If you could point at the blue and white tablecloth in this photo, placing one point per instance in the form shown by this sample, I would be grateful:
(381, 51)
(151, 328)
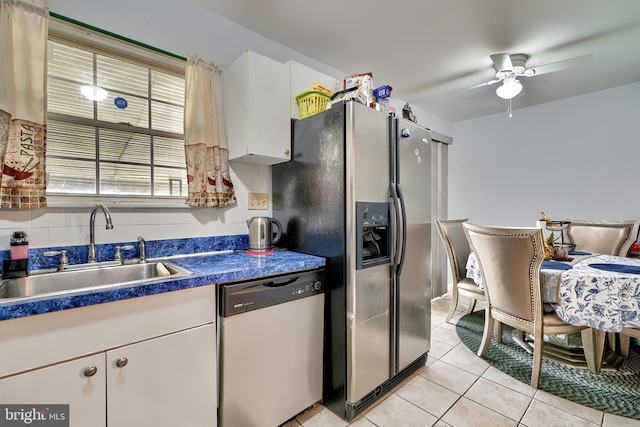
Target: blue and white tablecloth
(605, 300)
(588, 296)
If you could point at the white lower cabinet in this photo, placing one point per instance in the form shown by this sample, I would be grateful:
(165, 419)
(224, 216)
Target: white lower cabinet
(143, 362)
(168, 381)
(79, 383)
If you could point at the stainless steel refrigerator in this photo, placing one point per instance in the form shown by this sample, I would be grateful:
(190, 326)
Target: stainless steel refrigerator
(358, 192)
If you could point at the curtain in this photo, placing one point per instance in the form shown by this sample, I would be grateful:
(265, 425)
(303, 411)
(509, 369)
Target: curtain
(23, 81)
(205, 138)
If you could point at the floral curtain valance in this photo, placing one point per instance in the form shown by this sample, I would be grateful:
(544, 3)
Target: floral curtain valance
(205, 137)
(23, 80)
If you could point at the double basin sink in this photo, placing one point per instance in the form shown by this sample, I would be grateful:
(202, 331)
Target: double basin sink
(89, 277)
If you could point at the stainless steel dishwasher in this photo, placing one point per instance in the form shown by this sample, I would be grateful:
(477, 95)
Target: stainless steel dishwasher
(271, 335)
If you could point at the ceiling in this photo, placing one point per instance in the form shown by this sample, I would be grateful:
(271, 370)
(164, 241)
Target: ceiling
(428, 50)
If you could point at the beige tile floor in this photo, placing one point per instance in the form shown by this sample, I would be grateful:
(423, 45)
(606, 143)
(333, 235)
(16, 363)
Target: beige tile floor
(456, 388)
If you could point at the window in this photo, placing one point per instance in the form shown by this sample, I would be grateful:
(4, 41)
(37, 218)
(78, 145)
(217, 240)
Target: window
(127, 144)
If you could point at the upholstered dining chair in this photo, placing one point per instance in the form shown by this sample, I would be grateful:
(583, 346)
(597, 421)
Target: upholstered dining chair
(458, 250)
(510, 259)
(603, 237)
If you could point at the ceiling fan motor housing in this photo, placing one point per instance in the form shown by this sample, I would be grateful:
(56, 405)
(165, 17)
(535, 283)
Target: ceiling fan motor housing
(519, 61)
(514, 65)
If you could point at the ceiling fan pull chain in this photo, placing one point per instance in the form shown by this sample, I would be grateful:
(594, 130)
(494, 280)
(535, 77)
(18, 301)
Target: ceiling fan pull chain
(509, 108)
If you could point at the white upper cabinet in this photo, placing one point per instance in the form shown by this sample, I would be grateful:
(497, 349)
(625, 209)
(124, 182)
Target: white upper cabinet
(257, 109)
(259, 103)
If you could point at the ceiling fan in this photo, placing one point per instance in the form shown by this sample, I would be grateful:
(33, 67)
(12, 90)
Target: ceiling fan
(510, 67)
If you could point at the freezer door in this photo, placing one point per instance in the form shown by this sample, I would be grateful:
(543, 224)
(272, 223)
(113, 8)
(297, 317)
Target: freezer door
(368, 289)
(368, 352)
(413, 286)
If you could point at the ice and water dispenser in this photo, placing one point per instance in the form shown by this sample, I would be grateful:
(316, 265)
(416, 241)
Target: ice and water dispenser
(373, 234)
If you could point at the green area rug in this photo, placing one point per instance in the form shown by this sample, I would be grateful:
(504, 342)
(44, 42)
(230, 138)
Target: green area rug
(616, 392)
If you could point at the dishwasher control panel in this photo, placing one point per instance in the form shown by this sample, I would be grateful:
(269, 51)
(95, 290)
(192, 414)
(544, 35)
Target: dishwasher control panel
(236, 298)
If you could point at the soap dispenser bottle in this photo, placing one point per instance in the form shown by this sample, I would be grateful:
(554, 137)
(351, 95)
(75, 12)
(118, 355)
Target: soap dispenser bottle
(18, 264)
(19, 245)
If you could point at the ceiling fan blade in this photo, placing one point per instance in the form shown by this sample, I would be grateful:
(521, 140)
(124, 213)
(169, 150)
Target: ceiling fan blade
(490, 82)
(502, 61)
(578, 61)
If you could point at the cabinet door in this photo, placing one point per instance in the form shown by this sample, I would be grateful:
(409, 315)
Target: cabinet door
(167, 381)
(79, 383)
(257, 109)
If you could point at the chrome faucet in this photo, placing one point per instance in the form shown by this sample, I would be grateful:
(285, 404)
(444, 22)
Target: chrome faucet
(92, 227)
(143, 250)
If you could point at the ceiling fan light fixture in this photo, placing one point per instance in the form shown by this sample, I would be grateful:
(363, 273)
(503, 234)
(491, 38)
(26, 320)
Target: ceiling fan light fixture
(509, 89)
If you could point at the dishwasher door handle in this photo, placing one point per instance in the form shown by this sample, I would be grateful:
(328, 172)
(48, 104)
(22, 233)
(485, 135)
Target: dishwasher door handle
(274, 284)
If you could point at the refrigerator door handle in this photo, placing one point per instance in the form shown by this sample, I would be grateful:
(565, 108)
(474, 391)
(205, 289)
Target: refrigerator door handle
(396, 211)
(403, 225)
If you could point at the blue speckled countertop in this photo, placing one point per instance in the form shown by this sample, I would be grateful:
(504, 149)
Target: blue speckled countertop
(208, 269)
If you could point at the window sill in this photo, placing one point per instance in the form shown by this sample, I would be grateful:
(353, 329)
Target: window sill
(113, 201)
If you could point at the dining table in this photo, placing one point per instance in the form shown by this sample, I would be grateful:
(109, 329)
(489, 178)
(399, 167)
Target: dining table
(587, 289)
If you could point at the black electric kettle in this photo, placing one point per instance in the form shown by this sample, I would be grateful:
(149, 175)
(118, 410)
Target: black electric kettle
(261, 234)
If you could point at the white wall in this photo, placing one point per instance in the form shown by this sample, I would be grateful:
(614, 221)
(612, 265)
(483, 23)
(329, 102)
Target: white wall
(575, 158)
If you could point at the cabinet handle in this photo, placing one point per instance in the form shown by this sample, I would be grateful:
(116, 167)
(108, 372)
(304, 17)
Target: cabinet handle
(286, 152)
(90, 371)
(122, 362)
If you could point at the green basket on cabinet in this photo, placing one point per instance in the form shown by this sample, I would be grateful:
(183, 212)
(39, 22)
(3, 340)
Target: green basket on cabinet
(312, 102)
